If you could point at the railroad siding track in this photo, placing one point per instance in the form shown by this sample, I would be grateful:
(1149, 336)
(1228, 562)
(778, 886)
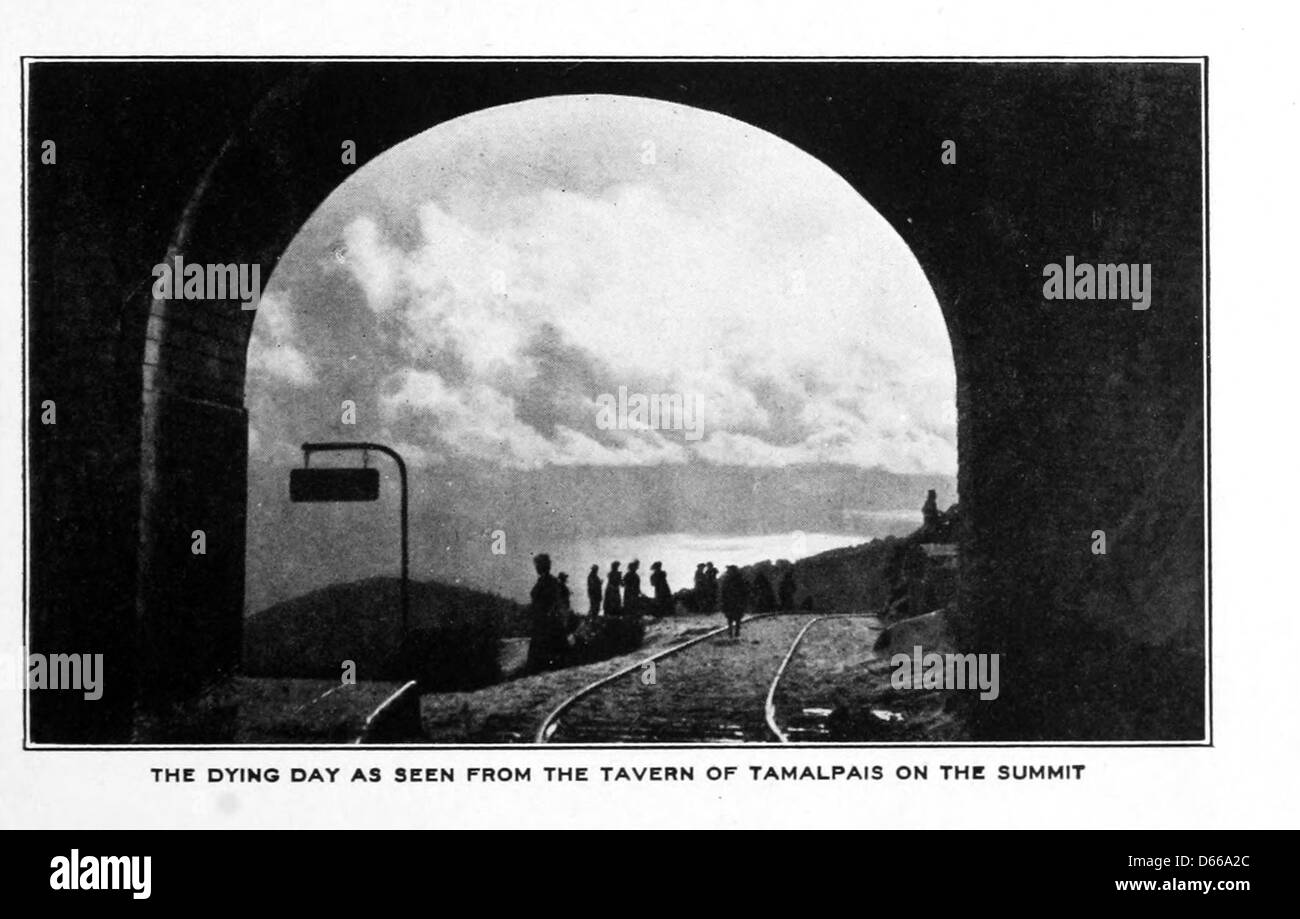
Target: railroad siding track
(827, 651)
(709, 690)
(778, 682)
(834, 670)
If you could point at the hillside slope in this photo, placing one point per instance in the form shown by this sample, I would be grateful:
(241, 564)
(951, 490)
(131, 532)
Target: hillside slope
(459, 630)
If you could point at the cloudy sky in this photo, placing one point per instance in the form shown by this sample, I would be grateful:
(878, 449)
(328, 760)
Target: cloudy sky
(475, 289)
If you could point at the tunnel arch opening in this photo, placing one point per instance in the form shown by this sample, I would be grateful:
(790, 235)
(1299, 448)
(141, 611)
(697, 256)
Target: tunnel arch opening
(609, 241)
(195, 374)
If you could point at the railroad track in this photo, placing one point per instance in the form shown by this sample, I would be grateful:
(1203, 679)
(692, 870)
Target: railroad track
(811, 723)
(709, 689)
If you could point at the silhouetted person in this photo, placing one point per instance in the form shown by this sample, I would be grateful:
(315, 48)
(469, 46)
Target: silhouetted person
(930, 511)
(786, 590)
(701, 594)
(663, 596)
(566, 605)
(566, 595)
(732, 594)
(593, 590)
(632, 588)
(710, 588)
(764, 598)
(546, 645)
(613, 581)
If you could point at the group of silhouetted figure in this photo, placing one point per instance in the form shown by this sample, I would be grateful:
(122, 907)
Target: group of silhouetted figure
(622, 594)
(619, 594)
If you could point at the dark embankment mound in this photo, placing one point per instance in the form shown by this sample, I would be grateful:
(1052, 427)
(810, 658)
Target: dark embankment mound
(892, 577)
(455, 634)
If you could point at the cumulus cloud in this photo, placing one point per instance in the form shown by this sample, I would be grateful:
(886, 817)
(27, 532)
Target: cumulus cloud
(510, 283)
(272, 350)
(375, 265)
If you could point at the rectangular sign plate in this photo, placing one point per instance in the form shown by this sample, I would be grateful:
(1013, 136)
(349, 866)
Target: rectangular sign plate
(333, 484)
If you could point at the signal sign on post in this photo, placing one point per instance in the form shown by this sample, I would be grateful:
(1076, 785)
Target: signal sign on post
(333, 484)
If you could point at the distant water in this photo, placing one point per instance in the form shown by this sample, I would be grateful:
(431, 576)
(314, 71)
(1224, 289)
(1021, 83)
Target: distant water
(681, 552)
(295, 570)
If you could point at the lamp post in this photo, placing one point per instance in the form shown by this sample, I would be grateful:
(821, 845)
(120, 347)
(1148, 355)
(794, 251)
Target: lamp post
(309, 484)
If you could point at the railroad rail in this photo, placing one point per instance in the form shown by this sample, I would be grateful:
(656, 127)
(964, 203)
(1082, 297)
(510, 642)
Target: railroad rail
(551, 723)
(769, 706)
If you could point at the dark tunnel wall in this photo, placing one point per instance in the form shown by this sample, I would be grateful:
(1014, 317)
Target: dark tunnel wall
(1072, 416)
